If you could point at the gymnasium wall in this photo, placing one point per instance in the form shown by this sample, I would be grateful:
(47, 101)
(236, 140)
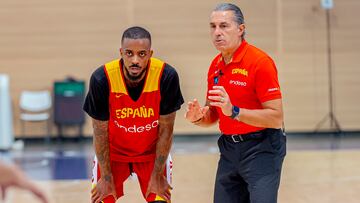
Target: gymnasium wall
(46, 40)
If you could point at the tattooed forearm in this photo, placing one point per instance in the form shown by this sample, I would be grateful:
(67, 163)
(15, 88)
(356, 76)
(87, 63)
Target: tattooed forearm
(159, 164)
(163, 146)
(101, 145)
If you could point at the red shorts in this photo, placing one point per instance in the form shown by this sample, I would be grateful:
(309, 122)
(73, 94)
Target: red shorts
(122, 170)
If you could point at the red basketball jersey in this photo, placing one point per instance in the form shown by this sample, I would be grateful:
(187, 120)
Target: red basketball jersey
(133, 125)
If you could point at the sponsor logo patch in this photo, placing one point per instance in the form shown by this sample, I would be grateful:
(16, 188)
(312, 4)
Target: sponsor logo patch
(136, 128)
(238, 83)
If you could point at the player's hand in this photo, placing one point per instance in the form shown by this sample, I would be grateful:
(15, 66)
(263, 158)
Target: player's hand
(12, 176)
(30, 186)
(159, 186)
(103, 188)
(194, 111)
(220, 98)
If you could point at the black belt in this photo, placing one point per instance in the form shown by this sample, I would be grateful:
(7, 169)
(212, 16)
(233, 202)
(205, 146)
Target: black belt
(245, 137)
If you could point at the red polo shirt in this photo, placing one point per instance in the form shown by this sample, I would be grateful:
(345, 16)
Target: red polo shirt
(250, 79)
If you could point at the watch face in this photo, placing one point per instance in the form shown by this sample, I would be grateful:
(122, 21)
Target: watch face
(235, 111)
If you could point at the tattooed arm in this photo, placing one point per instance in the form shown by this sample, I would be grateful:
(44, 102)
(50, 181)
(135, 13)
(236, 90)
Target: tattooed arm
(105, 186)
(158, 183)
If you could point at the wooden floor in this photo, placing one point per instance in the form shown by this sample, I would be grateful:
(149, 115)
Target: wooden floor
(318, 176)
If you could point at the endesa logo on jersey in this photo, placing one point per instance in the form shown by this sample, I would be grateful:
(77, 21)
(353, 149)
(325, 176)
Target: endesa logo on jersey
(140, 112)
(237, 83)
(138, 129)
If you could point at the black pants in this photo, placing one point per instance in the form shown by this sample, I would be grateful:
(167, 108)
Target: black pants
(249, 171)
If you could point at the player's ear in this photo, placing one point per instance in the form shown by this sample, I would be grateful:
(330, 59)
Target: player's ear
(121, 52)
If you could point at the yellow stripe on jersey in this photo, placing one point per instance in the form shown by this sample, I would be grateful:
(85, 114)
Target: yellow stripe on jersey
(158, 198)
(116, 82)
(118, 85)
(152, 81)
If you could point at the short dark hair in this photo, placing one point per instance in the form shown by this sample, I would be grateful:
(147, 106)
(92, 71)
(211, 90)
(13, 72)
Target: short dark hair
(136, 32)
(239, 17)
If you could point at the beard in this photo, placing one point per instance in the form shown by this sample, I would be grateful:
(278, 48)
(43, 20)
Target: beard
(134, 78)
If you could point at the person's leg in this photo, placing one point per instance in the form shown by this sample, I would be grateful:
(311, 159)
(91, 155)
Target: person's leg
(265, 168)
(119, 178)
(144, 170)
(265, 188)
(229, 185)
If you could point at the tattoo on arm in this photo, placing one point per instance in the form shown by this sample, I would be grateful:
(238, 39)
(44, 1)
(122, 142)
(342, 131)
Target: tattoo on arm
(163, 146)
(101, 145)
(159, 164)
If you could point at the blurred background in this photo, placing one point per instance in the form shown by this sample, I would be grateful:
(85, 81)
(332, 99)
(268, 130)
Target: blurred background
(49, 49)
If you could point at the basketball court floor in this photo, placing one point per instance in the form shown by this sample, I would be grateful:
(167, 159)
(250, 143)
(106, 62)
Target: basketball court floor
(317, 169)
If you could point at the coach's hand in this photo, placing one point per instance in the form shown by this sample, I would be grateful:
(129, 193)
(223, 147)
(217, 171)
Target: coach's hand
(104, 187)
(159, 186)
(220, 98)
(194, 111)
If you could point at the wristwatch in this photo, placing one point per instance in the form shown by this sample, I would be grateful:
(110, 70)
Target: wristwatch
(235, 112)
